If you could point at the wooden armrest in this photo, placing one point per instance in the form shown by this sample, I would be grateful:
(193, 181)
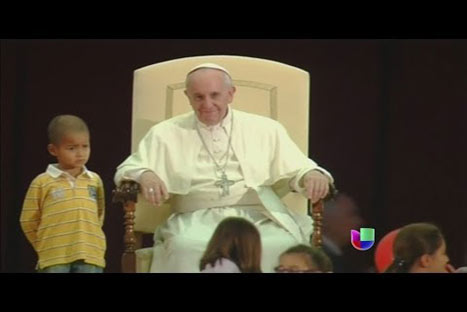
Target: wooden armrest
(127, 191)
(317, 215)
(127, 194)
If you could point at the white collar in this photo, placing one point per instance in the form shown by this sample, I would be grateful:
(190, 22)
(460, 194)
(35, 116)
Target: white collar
(55, 172)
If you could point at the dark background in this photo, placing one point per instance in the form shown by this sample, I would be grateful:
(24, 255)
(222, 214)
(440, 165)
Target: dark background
(388, 120)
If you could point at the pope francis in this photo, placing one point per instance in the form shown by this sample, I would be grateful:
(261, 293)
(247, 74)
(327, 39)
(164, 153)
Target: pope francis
(216, 162)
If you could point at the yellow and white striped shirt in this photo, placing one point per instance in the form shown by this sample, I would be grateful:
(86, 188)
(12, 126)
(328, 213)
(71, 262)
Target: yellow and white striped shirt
(62, 217)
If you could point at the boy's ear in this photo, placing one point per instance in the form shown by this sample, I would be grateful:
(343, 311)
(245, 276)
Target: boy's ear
(425, 260)
(52, 149)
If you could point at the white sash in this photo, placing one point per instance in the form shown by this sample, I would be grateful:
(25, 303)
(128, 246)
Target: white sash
(279, 213)
(262, 198)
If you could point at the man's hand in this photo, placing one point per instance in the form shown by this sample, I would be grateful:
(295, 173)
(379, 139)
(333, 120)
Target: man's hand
(153, 188)
(316, 185)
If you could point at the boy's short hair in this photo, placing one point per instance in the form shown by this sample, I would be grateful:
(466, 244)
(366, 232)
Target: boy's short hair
(62, 124)
(316, 256)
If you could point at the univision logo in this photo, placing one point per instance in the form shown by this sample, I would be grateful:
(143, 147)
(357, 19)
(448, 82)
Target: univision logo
(364, 239)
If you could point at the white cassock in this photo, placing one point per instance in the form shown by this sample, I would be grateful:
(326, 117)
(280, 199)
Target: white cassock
(263, 163)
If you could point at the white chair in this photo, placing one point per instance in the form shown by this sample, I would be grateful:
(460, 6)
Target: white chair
(264, 87)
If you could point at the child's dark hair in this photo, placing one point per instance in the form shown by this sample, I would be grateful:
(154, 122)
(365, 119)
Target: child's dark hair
(62, 124)
(412, 242)
(238, 240)
(315, 256)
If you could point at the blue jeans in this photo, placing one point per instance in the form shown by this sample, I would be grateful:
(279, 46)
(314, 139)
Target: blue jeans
(75, 267)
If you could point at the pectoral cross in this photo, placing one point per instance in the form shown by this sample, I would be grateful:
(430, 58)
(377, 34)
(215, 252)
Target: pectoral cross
(224, 183)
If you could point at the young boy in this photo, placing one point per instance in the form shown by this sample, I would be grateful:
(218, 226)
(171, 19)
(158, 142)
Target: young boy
(63, 211)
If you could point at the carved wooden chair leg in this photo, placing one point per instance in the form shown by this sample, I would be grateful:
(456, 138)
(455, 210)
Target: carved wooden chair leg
(317, 215)
(129, 256)
(127, 194)
(317, 211)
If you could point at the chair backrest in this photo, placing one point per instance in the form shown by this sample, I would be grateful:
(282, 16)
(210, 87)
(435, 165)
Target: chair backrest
(264, 87)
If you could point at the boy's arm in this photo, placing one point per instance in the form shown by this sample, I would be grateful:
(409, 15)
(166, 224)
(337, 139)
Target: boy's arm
(31, 214)
(101, 201)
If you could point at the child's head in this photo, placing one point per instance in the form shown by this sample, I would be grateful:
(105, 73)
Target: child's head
(304, 259)
(238, 240)
(419, 247)
(69, 141)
